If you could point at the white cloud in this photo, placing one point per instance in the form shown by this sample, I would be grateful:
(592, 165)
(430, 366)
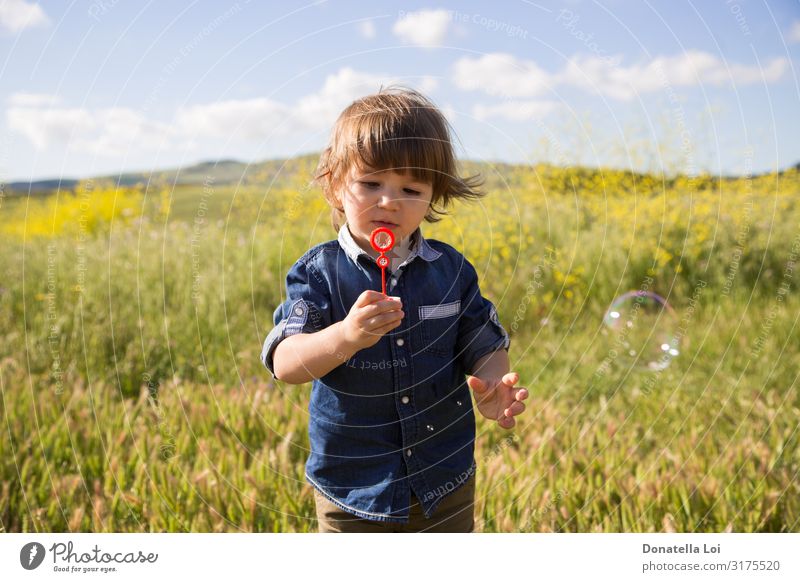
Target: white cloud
(321, 109)
(504, 75)
(770, 73)
(794, 32)
(516, 110)
(122, 130)
(685, 70)
(17, 15)
(111, 131)
(247, 118)
(427, 84)
(367, 29)
(46, 126)
(424, 27)
(501, 74)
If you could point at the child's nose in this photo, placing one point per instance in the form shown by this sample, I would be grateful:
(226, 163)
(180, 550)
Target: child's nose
(389, 198)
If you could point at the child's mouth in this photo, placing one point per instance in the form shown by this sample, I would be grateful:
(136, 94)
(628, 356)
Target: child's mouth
(384, 224)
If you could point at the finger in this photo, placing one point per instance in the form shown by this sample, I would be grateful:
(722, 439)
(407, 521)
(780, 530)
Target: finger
(507, 422)
(386, 328)
(477, 385)
(368, 297)
(515, 409)
(383, 320)
(511, 378)
(383, 306)
(521, 394)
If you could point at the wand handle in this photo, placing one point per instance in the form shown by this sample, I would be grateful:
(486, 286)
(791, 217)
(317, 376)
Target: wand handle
(382, 240)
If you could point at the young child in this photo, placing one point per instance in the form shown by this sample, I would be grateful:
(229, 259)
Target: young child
(391, 423)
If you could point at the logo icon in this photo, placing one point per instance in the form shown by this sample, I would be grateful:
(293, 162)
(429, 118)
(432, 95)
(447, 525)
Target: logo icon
(31, 555)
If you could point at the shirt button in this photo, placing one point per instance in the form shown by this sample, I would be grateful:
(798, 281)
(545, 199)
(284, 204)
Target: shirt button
(400, 341)
(408, 452)
(298, 310)
(404, 400)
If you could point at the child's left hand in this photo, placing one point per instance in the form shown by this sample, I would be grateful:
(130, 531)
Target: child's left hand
(498, 399)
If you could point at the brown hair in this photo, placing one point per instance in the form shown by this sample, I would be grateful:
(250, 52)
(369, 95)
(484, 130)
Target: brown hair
(400, 129)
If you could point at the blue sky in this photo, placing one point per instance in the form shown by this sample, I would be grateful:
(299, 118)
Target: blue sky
(104, 87)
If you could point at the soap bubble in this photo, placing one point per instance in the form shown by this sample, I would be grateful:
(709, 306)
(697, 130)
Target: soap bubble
(645, 328)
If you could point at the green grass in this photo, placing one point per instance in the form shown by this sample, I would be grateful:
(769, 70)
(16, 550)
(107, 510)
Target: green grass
(133, 398)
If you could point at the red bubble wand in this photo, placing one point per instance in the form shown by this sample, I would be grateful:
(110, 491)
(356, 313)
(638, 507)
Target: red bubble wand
(382, 240)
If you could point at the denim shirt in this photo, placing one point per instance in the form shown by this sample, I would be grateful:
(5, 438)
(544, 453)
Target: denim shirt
(397, 417)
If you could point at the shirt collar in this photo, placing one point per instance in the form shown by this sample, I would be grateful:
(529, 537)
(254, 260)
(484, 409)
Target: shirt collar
(419, 246)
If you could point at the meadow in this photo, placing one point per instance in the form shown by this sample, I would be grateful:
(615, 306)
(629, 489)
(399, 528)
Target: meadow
(132, 318)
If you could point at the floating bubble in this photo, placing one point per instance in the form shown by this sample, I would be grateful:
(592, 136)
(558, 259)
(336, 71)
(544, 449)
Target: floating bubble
(647, 324)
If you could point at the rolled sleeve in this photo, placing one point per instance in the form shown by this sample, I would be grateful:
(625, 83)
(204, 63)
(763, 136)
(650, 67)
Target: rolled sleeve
(479, 331)
(305, 310)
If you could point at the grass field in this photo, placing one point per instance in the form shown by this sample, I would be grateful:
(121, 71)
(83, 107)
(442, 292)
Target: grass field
(132, 319)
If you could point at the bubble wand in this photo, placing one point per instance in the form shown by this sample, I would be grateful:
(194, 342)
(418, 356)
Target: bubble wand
(382, 240)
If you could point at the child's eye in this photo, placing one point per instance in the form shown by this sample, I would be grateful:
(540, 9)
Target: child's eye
(411, 191)
(371, 185)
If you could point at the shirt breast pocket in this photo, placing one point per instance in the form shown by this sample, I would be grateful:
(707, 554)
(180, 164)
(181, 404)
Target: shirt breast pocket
(439, 325)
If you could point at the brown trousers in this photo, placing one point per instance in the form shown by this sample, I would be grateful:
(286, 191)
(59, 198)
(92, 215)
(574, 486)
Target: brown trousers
(454, 514)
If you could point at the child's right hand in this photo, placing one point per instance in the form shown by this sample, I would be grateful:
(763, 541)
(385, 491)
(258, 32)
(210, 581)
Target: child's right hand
(373, 315)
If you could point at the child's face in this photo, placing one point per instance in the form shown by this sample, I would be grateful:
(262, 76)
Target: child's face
(374, 198)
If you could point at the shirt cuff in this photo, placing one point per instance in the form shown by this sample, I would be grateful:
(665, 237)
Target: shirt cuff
(488, 338)
(296, 322)
(277, 334)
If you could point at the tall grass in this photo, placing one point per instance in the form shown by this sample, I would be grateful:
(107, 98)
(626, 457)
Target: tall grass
(133, 398)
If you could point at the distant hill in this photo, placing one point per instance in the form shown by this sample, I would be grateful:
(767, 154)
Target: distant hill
(219, 172)
(233, 172)
(39, 186)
